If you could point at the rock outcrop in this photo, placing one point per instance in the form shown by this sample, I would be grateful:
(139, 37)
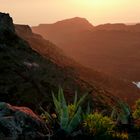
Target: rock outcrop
(6, 23)
(24, 29)
(20, 123)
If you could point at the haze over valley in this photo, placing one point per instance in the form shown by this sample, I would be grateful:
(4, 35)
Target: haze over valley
(109, 48)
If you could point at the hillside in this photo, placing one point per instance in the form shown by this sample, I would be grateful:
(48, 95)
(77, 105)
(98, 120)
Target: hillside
(98, 83)
(26, 77)
(110, 48)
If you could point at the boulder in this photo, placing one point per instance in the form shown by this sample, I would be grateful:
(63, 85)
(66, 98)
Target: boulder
(20, 123)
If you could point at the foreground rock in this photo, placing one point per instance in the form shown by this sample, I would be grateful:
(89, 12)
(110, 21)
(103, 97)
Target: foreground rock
(20, 123)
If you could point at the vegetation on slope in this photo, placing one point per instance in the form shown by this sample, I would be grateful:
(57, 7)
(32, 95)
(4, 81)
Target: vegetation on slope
(71, 120)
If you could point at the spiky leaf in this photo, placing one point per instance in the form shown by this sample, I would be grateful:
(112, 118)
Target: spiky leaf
(81, 100)
(61, 97)
(88, 109)
(64, 118)
(75, 99)
(57, 104)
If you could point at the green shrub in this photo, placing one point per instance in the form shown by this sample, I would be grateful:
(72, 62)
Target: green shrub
(136, 113)
(96, 124)
(120, 136)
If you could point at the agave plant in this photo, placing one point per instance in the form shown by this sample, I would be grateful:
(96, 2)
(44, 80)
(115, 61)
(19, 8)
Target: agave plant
(121, 113)
(69, 116)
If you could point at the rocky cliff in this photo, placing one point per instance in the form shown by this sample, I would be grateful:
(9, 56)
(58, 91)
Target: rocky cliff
(6, 23)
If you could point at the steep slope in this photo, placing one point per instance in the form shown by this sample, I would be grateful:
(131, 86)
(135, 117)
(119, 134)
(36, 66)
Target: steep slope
(111, 48)
(98, 83)
(26, 77)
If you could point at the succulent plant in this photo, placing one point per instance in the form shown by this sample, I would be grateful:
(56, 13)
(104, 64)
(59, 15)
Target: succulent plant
(69, 116)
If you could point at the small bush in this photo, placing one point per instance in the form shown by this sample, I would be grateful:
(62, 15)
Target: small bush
(120, 136)
(136, 113)
(96, 124)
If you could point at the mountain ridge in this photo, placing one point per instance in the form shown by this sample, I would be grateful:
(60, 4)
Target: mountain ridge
(75, 20)
(105, 81)
(109, 48)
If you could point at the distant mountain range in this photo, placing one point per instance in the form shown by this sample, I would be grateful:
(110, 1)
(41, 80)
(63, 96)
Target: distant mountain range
(75, 76)
(93, 78)
(113, 49)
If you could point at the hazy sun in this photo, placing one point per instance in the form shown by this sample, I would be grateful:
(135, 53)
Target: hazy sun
(93, 2)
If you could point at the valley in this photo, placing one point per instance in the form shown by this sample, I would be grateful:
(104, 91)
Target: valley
(113, 49)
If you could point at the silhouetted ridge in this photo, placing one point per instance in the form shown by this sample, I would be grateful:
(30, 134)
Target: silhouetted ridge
(6, 23)
(66, 27)
(76, 20)
(80, 23)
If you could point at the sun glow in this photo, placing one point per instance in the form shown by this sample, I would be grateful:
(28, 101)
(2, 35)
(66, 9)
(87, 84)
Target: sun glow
(48, 11)
(95, 2)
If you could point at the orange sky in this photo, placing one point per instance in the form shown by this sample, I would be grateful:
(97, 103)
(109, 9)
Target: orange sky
(33, 12)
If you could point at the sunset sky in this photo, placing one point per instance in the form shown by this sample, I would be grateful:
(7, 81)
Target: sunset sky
(33, 12)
